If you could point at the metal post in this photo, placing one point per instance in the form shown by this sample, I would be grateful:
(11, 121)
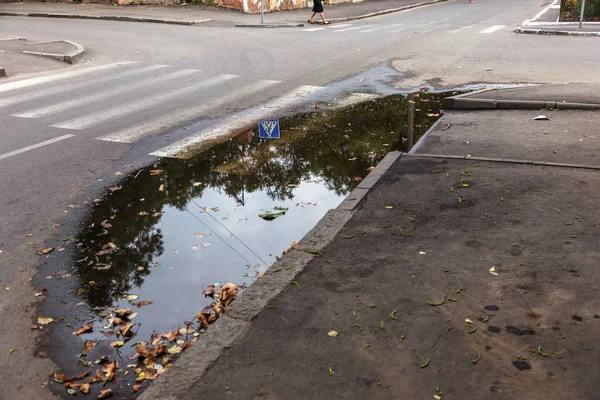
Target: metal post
(581, 16)
(410, 138)
(262, 11)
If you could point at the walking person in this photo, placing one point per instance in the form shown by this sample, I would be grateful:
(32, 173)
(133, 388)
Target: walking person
(318, 8)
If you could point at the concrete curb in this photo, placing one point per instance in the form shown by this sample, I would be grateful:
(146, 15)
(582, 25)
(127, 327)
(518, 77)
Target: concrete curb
(269, 25)
(550, 32)
(383, 12)
(71, 58)
(464, 103)
(105, 18)
(230, 328)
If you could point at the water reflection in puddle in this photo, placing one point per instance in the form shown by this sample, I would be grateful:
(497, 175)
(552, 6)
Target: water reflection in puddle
(181, 225)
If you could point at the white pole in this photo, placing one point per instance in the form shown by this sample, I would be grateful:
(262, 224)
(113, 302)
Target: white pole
(262, 11)
(581, 16)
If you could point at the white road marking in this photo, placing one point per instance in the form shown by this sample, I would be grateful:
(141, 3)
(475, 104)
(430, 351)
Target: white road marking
(34, 146)
(492, 29)
(249, 117)
(368, 30)
(61, 75)
(81, 101)
(312, 29)
(352, 29)
(342, 25)
(119, 111)
(22, 98)
(131, 135)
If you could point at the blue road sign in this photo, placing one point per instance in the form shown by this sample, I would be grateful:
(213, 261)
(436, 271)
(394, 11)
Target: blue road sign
(269, 129)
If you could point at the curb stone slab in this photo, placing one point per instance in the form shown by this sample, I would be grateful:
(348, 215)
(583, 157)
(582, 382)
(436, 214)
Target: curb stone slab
(232, 326)
(72, 57)
(561, 33)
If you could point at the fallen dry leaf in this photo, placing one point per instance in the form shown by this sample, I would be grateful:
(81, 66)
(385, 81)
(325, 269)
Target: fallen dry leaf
(109, 369)
(170, 336)
(116, 344)
(62, 377)
(105, 224)
(88, 346)
(155, 171)
(85, 329)
(128, 165)
(161, 188)
(358, 178)
(143, 303)
(125, 330)
(44, 320)
(137, 387)
(118, 173)
(105, 393)
(228, 293)
(209, 292)
(45, 251)
(158, 214)
(111, 245)
(28, 235)
(115, 188)
(174, 350)
(38, 294)
(85, 388)
(371, 168)
(123, 312)
(207, 244)
(131, 297)
(200, 235)
(142, 213)
(294, 244)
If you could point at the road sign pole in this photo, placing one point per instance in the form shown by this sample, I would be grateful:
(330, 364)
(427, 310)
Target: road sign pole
(581, 15)
(262, 11)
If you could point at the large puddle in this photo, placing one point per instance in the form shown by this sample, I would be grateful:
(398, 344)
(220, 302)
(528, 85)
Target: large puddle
(169, 231)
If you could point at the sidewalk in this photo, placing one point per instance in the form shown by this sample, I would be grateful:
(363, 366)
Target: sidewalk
(547, 23)
(190, 15)
(464, 270)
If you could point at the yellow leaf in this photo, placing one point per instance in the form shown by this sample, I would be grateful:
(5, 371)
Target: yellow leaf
(44, 320)
(468, 321)
(174, 350)
(389, 207)
(117, 343)
(332, 333)
(131, 297)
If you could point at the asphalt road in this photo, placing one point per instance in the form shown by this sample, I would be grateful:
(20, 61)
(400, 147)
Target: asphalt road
(65, 133)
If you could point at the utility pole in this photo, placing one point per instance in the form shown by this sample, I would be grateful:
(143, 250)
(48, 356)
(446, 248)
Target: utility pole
(580, 16)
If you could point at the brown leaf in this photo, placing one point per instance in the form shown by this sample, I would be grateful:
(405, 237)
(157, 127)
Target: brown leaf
(46, 251)
(294, 244)
(111, 245)
(137, 387)
(155, 171)
(142, 213)
(228, 293)
(109, 369)
(358, 178)
(209, 292)
(161, 188)
(125, 330)
(88, 346)
(98, 377)
(203, 318)
(118, 173)
(115, 188)
(143, 303)
(105, 393)
(117, 343)
(371, 168)
(86, 329)
(315, 106)
(85, 388)
(62, 377)
(123, 312)
(170, 336)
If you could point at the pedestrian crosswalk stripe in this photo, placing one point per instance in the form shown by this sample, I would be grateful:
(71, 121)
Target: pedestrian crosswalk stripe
(492, 29)
(35, 146)
(89, 120)
(352, 28)
(103, 95)
(187, 147)
(54, 91)
(59, 76)
(132, 134)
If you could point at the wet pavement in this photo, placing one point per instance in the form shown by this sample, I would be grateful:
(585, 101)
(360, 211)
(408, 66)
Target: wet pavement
(168, 231)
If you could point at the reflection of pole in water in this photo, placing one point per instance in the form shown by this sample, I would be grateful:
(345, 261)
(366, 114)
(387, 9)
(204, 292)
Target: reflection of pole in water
(411, 120)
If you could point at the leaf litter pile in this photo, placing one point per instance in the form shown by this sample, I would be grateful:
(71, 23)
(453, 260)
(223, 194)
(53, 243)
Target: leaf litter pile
(355, 146)
(150, 358)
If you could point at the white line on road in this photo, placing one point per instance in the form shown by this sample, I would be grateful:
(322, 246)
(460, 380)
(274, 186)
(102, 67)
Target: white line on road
(34, 146)
(22, 98)
(492, 29)
(62, 75)
(119, 111)
(78, 102)
(351, 29)
(130, 135)
(342, 25)
(312, 29)
(180, 149)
